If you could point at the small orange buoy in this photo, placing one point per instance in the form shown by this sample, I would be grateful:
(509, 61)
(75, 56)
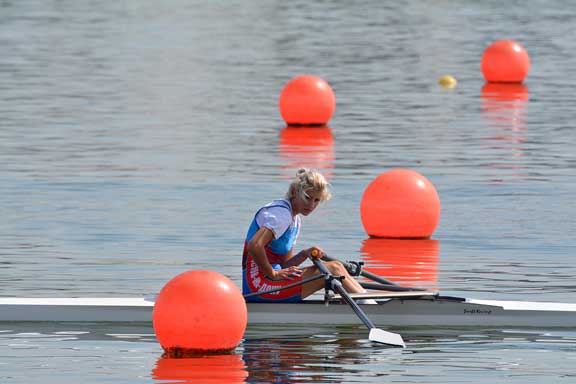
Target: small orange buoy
(307, 100)
(505, 61)
(199, 312)
(400, 204)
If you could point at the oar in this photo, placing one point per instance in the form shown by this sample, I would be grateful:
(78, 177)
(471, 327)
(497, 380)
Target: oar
(349, 267)
(391, 288)
(388, 285)
(376, 334)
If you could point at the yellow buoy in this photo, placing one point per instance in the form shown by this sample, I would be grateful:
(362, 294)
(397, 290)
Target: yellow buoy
(447, 81)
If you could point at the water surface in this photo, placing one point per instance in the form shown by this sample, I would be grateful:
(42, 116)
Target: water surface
(137, 139)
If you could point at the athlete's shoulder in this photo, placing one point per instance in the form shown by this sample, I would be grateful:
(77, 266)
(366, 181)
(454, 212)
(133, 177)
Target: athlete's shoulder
(281, 203)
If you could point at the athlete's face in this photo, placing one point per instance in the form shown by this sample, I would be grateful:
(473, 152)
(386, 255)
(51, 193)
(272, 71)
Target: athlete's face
(307, 205)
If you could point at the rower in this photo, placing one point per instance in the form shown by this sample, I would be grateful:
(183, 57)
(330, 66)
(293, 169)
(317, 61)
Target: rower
(268, 261)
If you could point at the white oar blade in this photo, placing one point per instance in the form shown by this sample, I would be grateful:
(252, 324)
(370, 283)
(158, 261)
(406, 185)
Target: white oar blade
(381, 336)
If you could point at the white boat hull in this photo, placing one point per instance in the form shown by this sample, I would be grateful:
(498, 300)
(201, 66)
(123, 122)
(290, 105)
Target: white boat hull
(438, 312)
(441, 311)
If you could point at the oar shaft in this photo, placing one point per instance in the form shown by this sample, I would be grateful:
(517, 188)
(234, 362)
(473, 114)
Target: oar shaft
(376, 278)
(371, 276)
(337, 286)
(389, 287)
(376, 334)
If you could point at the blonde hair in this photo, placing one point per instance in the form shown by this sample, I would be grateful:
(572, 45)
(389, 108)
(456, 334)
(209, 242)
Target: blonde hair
(308, 180)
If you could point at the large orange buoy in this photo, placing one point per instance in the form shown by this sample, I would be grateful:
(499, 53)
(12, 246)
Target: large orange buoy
(505, 61)
(400, 203)
(199, 311)
(307, 100)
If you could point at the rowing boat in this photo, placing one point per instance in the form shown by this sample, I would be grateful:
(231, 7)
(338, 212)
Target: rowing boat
(392, 309)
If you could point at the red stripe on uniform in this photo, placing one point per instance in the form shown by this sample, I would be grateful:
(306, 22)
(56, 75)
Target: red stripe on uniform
(258, 282)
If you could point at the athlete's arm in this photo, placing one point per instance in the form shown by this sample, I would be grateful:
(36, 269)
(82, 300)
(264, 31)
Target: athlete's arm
(290, 260)
(257, 248)
(302, 256)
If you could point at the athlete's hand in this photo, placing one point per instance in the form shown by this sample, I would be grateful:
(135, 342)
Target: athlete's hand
(289, 273)
(315, 253)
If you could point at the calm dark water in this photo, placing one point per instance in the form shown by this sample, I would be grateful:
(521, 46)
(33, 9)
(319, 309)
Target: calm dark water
(138, 137)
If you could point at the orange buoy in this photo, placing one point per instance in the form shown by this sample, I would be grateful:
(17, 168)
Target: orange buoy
(505, 61)
(400, 203)
(307, 100)
(199, 312)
